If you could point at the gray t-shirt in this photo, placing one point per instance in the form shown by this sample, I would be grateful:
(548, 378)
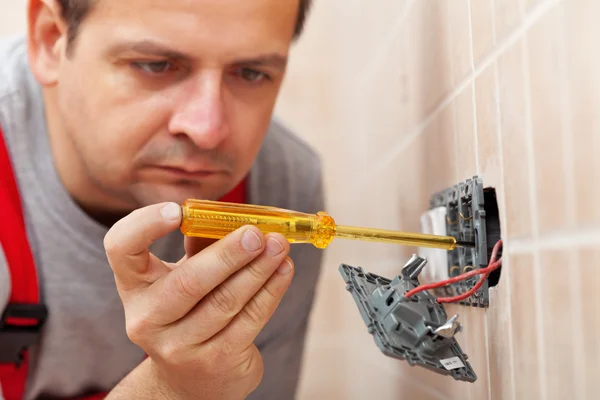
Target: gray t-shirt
(84, 346)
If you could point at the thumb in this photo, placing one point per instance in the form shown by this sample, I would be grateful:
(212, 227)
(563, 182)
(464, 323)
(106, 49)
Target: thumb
(127, 242)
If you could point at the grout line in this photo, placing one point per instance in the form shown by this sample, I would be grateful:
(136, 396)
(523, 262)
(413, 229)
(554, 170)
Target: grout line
(506, 272)
(494, 35)
(456, 152)
(556, 240)
(569, 160)
(538, 12)
(578, 336)
(453, 104)
(467, 344)
(567, 133)
(473, 96)
(487, 354)
(384, 48)
(534, 225)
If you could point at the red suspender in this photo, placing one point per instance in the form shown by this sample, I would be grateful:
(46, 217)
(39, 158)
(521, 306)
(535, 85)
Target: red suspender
(22, 319)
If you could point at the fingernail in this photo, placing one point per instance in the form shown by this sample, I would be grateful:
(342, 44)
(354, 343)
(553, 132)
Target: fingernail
(171, 212)
(285, 268)
(250, 241)
(273, 247)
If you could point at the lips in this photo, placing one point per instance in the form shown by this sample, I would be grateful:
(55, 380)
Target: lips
(188, 173)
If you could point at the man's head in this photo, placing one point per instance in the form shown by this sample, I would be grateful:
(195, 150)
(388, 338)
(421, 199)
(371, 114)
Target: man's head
(156, 100)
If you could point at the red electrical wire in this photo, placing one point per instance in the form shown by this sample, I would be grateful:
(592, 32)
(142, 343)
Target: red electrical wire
(485, 272)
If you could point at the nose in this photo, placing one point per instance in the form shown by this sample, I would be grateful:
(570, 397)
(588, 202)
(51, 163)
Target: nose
(200, 113)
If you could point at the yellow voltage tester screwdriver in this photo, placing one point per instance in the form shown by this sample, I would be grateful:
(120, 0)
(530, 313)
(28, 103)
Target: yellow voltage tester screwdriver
(213, 219)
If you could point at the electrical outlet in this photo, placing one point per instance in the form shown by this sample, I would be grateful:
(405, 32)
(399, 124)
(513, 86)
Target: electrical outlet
(433, 222)
(468, 212)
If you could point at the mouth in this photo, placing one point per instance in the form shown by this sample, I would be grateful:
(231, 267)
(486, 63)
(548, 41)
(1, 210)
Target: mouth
(188, 174)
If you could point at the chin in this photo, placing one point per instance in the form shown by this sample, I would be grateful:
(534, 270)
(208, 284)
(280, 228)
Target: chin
(147, 194)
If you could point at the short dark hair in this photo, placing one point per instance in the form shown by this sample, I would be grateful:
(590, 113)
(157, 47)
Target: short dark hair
(75, 11)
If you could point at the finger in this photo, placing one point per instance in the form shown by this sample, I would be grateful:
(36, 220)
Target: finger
(178, 292)
(127, 242)
(220, 306)
(194, 245)
(246, 326)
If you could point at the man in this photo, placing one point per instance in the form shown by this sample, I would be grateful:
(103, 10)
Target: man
(113, 112)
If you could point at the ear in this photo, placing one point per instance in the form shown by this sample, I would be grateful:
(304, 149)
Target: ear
(47, 39)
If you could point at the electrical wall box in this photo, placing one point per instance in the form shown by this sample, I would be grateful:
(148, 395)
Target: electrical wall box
(472, 216)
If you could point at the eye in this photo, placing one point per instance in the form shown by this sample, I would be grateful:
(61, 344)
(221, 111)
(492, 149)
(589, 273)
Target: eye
(153, 67)
(252, 75)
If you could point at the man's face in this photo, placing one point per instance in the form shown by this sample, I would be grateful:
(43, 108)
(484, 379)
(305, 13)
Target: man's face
(170, 99)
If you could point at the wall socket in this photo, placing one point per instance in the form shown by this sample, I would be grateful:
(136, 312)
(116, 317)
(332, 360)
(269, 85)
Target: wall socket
(469, 213)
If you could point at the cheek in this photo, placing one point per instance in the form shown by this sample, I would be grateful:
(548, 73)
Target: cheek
(249, 121)
(248, 124)
(110, 121)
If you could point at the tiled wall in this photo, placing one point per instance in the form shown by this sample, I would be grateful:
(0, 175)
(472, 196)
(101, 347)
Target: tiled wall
(407, 97)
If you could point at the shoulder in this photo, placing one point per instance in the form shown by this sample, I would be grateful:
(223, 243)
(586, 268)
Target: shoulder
(13, 56)
(289, 166)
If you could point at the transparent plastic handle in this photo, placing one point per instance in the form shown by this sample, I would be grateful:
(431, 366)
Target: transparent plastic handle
(211, 219)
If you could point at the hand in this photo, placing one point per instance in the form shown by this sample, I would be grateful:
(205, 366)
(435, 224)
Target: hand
(196, 319)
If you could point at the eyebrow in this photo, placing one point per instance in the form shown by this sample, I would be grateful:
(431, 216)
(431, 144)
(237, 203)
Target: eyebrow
(148, 47)
(272, 60)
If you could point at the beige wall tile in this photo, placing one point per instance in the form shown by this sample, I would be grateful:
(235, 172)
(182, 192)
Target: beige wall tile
(513, 127)
(524, 329)
(475, 330)
(499, 336)
(327, 376)
(487, 118)
(459, 38)
(507, 17)
(464, 122)
(439, 161)
(392, 99)
(584, 78)
(482, 25)
(547, 121)
(427, 29)
(529, 4)
(403, 89)
(557, 312)
(590, 301)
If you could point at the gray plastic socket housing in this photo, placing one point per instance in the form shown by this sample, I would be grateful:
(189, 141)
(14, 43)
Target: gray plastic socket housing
(472, 216)
(414, 329)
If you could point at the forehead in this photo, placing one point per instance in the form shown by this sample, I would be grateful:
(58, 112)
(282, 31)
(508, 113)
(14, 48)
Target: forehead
(201, 26)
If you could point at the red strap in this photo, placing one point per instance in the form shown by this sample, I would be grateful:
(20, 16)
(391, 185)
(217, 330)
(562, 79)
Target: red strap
(15, 245)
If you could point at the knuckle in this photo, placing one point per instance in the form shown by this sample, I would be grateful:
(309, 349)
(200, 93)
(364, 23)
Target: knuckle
(186, 284)
(226, 258)
(256, 271)
(171, 353)
(137, 328)
(223, 300)
(215, 357)
(252, 369)
(111, 243)
(254, 311)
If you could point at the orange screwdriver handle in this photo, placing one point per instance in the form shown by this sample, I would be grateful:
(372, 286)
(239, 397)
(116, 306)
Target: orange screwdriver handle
(212, 219)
